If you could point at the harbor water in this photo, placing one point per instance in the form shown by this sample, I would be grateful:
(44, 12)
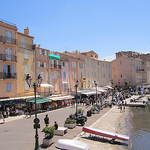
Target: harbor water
(137, 126)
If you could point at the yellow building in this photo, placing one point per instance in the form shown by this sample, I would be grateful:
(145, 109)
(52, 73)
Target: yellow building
(8, 59)
(25, 62)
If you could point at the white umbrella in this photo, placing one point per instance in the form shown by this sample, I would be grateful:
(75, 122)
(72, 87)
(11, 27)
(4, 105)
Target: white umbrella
(46, 85)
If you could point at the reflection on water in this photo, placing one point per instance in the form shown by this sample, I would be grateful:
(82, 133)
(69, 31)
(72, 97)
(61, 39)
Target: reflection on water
(138, 124)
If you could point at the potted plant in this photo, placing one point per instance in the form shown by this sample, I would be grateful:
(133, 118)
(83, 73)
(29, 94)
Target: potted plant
(93, 110)
(80, 111)
(70, 123)
(49, 134)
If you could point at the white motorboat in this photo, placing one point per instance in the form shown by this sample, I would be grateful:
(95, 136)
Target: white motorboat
(67, 144)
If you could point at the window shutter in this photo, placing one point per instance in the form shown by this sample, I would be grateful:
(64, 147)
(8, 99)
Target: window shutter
(45, 52)
(40, 51)
(26, 54)
(8, 86)
(55, 87)
(26, 86)
(44, 64)
(38, 63)
(74, 65)
(12, 70)
(75, 75)
(42, 75)
(26, 69)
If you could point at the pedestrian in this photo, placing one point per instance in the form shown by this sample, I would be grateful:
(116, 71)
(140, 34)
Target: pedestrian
(46, 120)
(7, 111)
(2, 117)
(29, 110)
(55, 125)
(124, 108)
(120, 108)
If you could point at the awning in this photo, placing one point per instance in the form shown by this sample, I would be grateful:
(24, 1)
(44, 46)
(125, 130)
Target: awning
(52, 56)
(91, 93)
(59, 98)
(39, 100)
(46, 85)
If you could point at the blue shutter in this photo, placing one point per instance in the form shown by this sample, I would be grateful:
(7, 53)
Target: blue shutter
(12, 70)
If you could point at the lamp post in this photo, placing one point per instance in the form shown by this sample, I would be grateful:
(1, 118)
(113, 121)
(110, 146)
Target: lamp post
(76, 86)
(112, 89)
(96, 90)
(119, 88)
(35, 84)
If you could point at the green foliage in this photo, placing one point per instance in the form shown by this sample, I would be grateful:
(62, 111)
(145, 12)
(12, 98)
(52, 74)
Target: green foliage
(49, 132)
(70, 121)
(127, 91)
(80, 111)
(93, 109)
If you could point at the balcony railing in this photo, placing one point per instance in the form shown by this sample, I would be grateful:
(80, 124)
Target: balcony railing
(4, 75)
(54, 66)
(6, 57)
(26, 46)
(139, 69)
(9, 40)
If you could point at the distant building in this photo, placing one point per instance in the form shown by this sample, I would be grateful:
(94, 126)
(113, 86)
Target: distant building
(131, 69)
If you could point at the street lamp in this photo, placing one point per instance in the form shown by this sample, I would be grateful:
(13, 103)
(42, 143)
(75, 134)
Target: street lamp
(76, 86)
(112, 89)
(96, 90)
(35, 84)
(119, 88)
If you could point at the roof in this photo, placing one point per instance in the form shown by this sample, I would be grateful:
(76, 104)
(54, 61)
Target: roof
(61, 98)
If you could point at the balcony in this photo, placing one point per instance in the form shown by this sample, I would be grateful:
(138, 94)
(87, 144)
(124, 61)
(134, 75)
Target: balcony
(4, 75)
(26, 46)
(139, 69)
(6, 57)
(54, 66)
(7, 40)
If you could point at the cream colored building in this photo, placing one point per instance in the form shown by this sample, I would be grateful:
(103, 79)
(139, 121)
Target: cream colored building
(25, 62)
(8, 60)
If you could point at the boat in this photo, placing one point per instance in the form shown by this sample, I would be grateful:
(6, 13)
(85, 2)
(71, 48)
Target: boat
(68, 144)
(105, 134)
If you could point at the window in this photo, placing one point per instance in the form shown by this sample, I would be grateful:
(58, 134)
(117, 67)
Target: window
(103, 65)
(26, 54)
(64, 75)
(26, 69)
(80, 65)
(55, 75)
(81, 75)
(8, 86)
(8, 71)
(55, 87)
(42, 52)
(42, 75)
(26, 86)
(103, 75)
(65, 87)
(73, 65)
(8, 36)
(63, 64)
(8, 54)
(74, 75)
(23, 42)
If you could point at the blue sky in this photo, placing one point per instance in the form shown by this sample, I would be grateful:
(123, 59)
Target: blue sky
(105, 26)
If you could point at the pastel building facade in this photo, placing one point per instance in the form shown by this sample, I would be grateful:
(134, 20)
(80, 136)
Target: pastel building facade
(65, 78)
(8, 60)
(25, 62)
(130, 69)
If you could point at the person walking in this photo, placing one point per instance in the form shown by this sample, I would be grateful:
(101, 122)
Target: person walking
(46, 120)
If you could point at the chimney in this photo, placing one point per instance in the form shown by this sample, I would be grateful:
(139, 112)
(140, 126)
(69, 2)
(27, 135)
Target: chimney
(26, 31)
(76, 51)
(39, 46)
